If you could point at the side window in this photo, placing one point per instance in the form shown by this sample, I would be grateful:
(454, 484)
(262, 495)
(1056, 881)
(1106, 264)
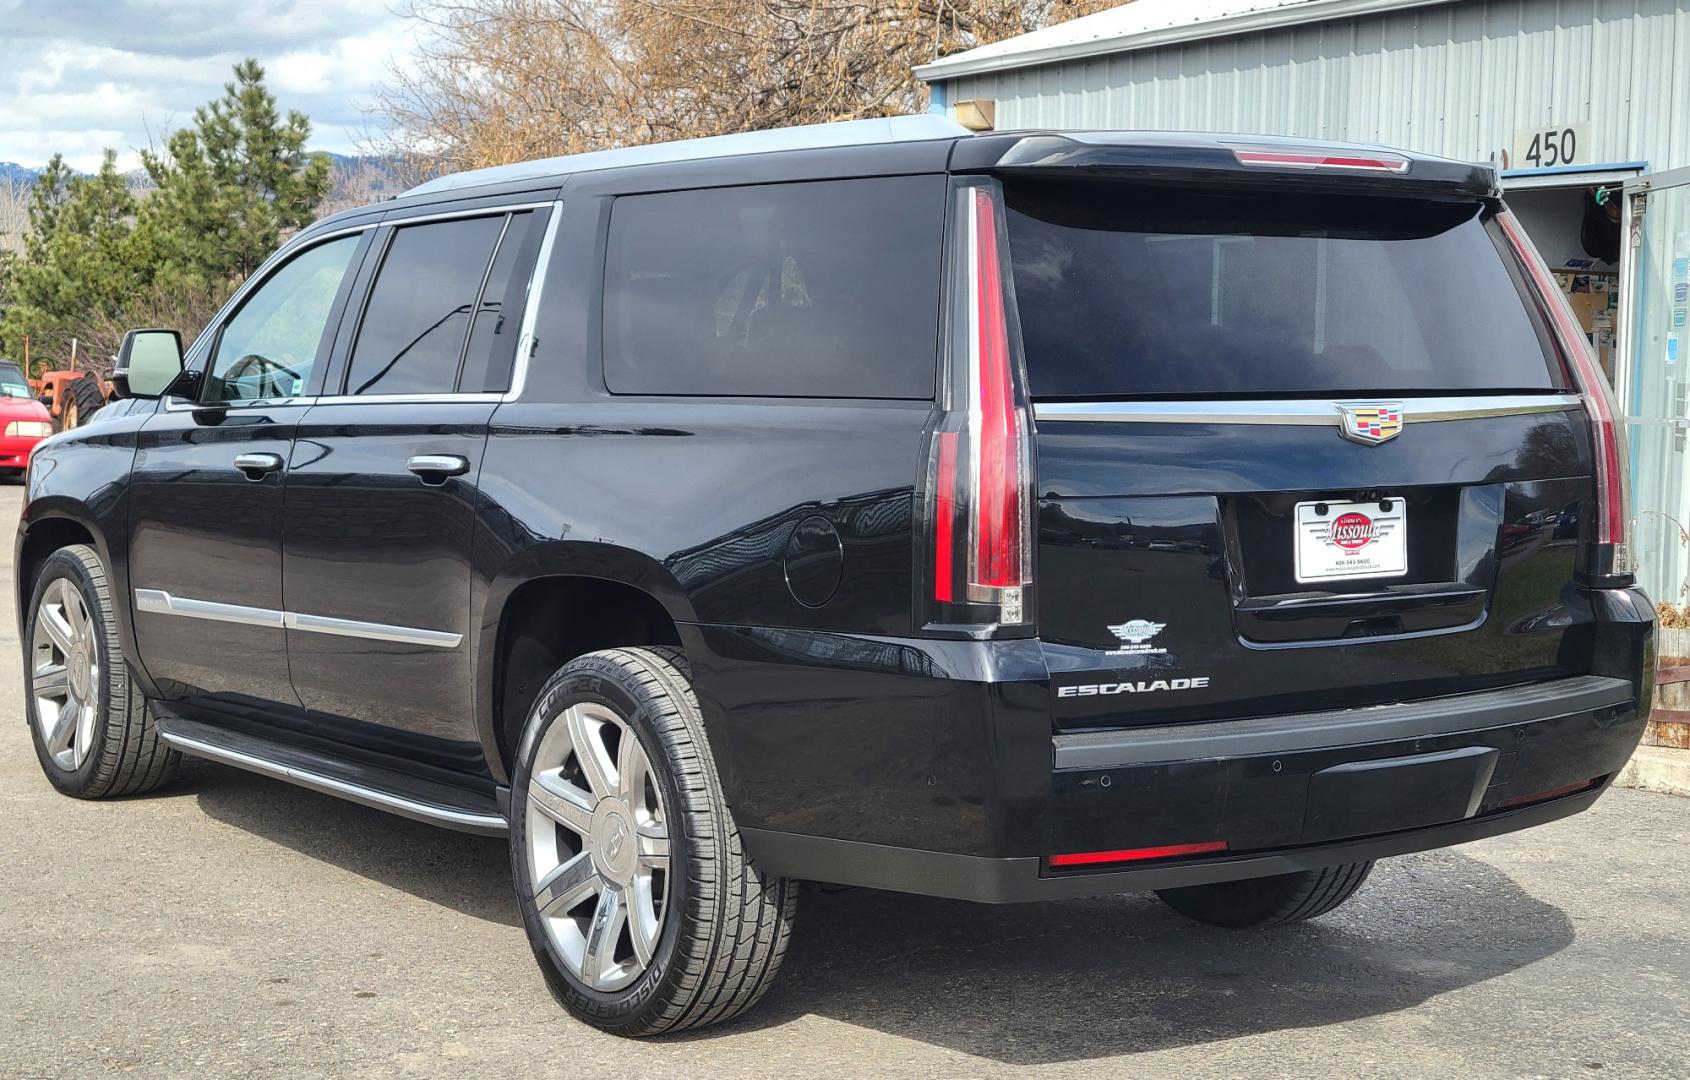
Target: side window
(824, 289)
(417, 321)
(267, 350)
(498, 315)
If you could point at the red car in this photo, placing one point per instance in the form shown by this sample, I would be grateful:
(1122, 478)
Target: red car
(23, 421)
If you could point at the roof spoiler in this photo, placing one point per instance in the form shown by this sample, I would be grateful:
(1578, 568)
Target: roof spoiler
(1165, 156)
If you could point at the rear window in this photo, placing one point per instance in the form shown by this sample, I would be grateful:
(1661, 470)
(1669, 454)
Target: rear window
(827, 289)
(1134, 292)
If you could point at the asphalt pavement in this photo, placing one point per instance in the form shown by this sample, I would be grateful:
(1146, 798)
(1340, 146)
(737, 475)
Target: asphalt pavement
(236, 926)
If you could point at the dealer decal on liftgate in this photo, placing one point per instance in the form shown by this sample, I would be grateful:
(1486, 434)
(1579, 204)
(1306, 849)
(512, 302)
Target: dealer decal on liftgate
(1140, 687)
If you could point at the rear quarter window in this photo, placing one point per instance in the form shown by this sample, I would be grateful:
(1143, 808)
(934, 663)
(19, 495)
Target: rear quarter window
(824, 289)
(1127, 291)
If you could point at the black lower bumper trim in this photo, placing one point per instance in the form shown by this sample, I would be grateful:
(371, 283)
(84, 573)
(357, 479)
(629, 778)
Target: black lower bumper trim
(1016, 880)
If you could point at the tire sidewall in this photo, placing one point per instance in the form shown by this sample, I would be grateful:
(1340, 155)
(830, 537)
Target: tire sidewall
(65, 564)
(591, 679)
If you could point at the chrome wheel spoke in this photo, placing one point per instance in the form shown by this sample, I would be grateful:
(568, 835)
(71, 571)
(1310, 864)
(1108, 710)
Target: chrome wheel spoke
(631, 769)
(567, 886)
(64, 726)
(644, 923)
(654, 847)
(52, 681)
(587, 734)
(562, 801)
(84, 731)
(59, 630)
(602, 934)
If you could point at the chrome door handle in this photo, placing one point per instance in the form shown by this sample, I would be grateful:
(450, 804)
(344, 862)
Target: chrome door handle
(256, 466)
(435, 468)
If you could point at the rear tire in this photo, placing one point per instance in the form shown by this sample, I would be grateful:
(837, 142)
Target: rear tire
(1268, 901)
(643, 910)
(93, 732)
(82, 400)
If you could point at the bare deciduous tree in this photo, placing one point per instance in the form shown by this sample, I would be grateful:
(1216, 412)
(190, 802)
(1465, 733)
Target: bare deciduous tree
(14, 213)
(506, 80)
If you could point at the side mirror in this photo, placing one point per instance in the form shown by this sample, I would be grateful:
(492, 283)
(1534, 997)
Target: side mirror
(147, 363)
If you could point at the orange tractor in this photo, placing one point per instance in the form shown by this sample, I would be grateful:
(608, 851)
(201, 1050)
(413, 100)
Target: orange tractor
(71, 396)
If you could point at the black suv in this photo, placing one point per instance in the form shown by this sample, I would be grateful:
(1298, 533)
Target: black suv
(1003, 517)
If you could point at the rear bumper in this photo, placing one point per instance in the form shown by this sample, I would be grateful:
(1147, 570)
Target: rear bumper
(932, 767)
(1287, 794)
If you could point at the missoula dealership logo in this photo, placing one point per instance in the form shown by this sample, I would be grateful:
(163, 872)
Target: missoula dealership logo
(1143, 686)
(1135, 635)
(1353, 531)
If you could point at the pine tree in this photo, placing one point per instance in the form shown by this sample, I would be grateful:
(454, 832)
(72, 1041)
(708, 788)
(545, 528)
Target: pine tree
(80, 257)
(230, 186)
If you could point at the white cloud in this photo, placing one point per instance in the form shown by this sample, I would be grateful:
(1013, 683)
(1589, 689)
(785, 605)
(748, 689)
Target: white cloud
(77, 76)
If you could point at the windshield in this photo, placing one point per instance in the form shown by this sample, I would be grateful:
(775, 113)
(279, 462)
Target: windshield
(1132, 291)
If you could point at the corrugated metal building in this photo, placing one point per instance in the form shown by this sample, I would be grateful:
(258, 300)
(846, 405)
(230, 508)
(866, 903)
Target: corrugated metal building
(1451, 78)
(1584, 105)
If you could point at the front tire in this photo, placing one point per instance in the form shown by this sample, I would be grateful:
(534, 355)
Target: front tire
(643, 910)
(93, 733)
(1268, 901)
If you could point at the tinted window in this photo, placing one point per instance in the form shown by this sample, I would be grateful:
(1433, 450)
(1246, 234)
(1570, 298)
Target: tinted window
(415, 323)
(12, 382)
(1130, 291)
(267, 350)
(805, 290)
(498, 316)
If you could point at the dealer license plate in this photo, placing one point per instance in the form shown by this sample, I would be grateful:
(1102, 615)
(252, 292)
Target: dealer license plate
(1351, 540)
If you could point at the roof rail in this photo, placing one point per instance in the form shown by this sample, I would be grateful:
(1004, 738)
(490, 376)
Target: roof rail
(807, 137)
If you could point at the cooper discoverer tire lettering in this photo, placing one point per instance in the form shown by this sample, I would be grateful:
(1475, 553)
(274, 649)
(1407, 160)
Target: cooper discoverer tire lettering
(641, 906)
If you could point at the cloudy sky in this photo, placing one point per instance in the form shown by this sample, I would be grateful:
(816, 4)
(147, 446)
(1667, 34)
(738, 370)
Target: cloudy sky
(80, 75)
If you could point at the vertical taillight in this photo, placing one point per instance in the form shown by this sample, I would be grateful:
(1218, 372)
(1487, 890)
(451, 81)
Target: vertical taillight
(1612, 556)
(979, 500)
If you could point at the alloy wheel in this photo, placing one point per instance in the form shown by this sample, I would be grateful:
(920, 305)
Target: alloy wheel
(65, 674)
(598, 846)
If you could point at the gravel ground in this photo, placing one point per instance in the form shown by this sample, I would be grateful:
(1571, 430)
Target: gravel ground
(235, 926)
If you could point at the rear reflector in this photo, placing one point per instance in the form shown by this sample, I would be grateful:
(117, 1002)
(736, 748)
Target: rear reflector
(1169, 851)
(1545, 796)
(1321, 159)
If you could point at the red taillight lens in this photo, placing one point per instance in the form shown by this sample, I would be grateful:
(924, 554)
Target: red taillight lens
(996, 558)
(1606, 431)
(1321, 159)
(1166, 851)
(980, 460)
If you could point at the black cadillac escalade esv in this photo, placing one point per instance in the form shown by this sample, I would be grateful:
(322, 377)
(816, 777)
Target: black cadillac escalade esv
(1003, 517)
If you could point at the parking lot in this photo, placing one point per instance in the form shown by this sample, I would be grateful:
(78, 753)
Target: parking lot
(233, 925)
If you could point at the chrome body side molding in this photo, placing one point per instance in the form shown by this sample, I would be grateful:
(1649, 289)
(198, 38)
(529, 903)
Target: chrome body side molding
(1312, 412)
(159, 602)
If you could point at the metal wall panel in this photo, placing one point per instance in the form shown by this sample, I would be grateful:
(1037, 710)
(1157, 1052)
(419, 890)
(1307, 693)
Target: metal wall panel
(1456, 80)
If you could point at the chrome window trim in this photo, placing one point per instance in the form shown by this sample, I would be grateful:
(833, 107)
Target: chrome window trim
(1311, 412)
(159, 602)
(328, 785)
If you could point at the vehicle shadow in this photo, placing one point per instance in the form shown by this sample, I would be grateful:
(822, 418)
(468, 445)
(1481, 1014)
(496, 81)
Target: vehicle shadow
(467, 874)
(1076, 980)
(1020, 984)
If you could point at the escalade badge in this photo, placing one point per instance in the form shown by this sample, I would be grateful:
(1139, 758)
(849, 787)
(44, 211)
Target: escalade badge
(1371, 423)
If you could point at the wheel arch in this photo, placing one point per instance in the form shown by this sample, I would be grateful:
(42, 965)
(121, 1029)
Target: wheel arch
(553, 604)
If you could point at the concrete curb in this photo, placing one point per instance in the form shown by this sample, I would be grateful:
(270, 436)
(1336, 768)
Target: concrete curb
(1658, 768)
